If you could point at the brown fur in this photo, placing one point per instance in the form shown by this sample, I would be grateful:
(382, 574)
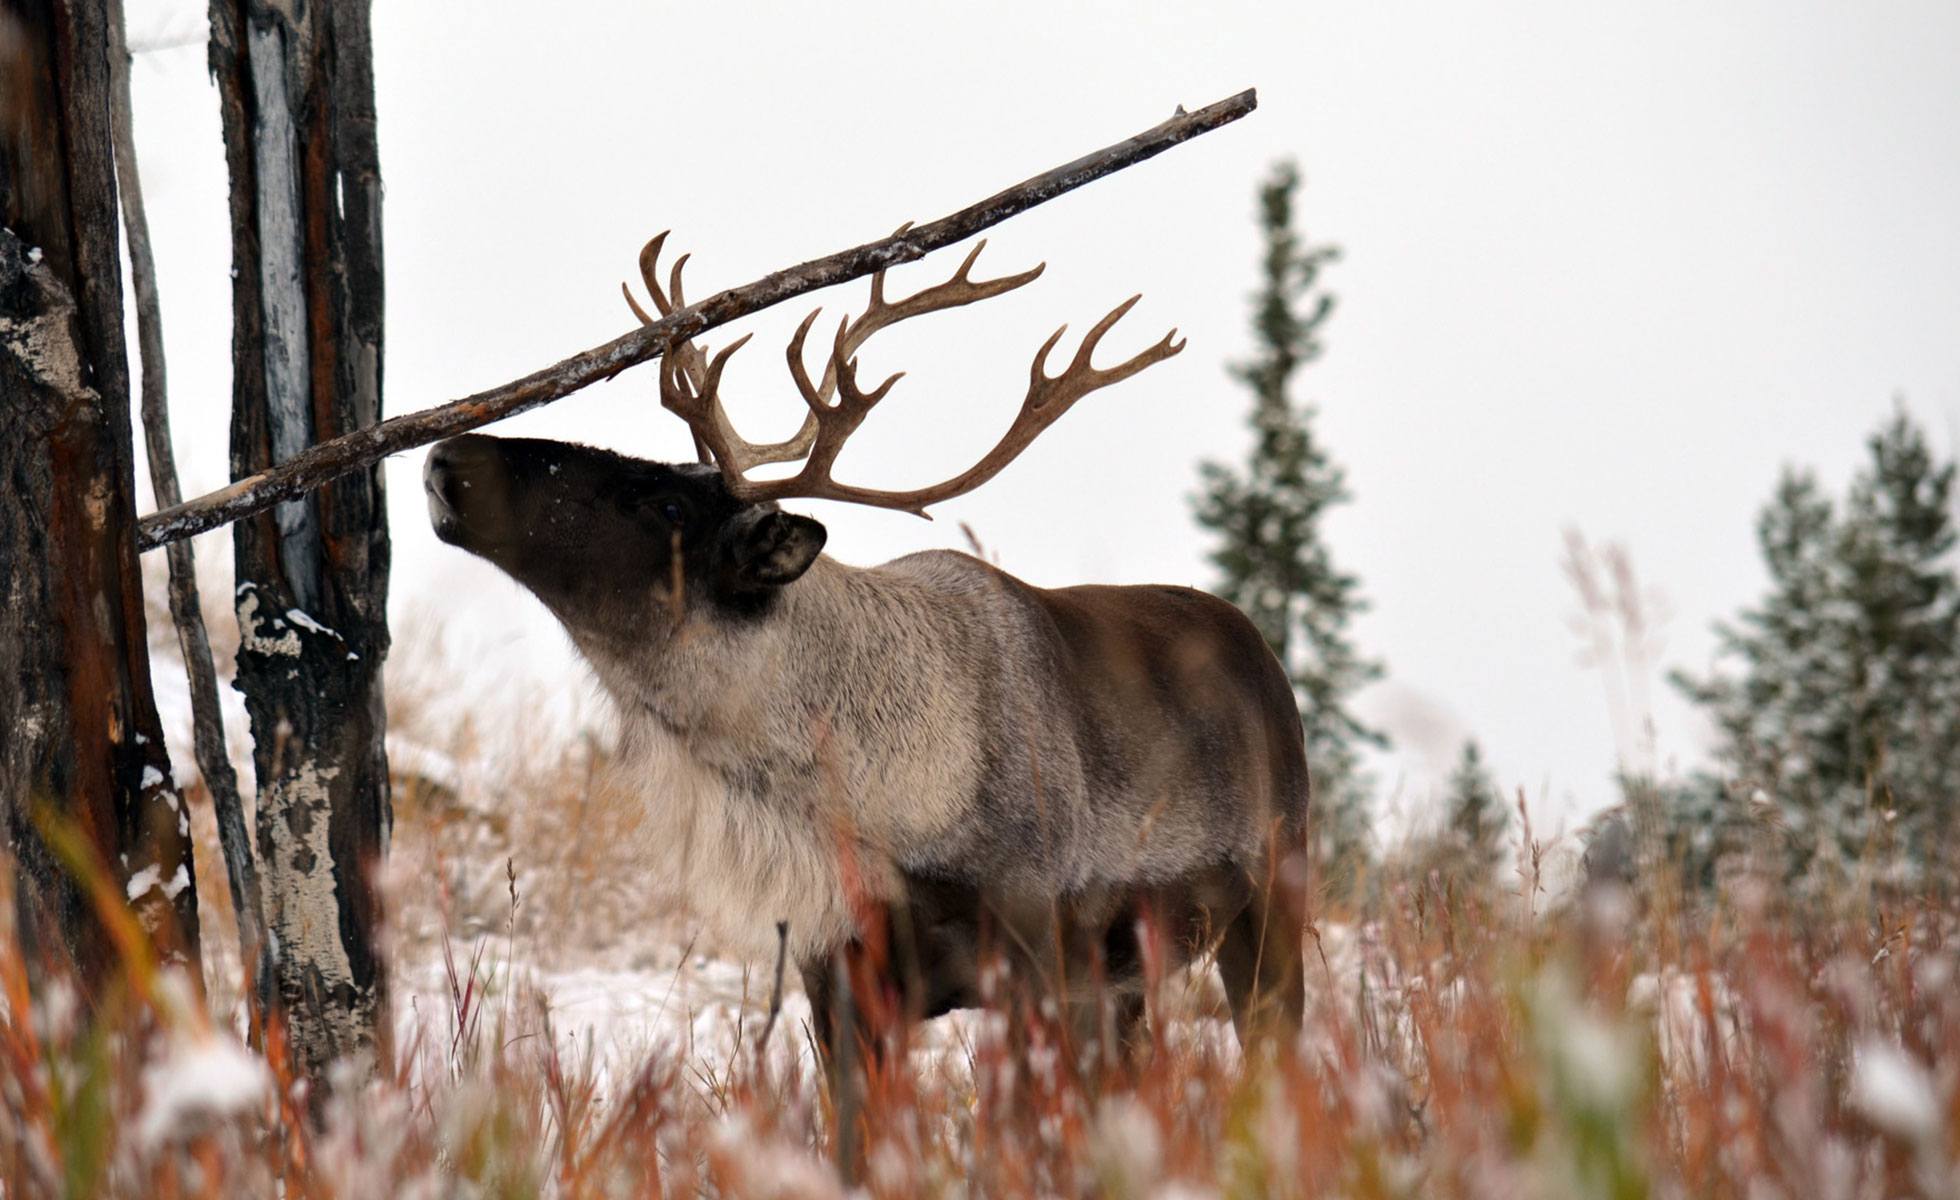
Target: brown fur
(927, 761)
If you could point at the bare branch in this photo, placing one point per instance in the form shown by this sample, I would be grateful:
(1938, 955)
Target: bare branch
(326, 461)
(208, 732)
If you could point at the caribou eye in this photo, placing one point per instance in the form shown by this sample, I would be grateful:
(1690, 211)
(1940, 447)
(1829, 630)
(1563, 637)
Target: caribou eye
(672, 511)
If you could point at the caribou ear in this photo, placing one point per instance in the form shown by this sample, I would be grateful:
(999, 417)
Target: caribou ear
(768, 548)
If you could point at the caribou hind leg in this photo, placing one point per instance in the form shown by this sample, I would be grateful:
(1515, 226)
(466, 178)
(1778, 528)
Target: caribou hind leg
(1260, 960)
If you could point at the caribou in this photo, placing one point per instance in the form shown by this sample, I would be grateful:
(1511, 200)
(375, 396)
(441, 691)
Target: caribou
(902, 776)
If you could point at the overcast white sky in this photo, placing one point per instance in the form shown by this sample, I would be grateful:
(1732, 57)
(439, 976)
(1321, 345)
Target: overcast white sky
(1603, 268)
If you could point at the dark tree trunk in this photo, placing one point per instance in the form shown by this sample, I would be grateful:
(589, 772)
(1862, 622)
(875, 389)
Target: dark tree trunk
(84, 777)
(296, 86)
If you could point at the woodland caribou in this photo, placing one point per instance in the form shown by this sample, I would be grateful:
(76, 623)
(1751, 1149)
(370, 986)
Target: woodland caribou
(919, 764)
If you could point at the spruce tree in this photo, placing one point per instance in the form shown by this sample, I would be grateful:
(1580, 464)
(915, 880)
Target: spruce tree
(1266, 517)
(1846, 704)
(1901, 584)
(1477, 817)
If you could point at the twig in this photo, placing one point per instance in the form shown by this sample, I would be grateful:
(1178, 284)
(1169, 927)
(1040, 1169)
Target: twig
(328, 460)
(207, 724)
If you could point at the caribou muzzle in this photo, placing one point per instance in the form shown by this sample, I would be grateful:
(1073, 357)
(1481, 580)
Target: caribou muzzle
(466, 481)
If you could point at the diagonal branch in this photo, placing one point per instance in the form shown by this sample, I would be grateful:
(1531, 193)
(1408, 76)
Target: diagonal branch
(326, 461)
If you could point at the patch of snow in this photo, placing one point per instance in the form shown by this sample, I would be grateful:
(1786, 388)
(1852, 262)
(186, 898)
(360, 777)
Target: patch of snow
(1128, 1145)
(301, 618)
(1894, 1091)
(1681, 1026)
(202, 1080)
(1178, 1189)
(768, 1165)
(145, 879)
(151, 778)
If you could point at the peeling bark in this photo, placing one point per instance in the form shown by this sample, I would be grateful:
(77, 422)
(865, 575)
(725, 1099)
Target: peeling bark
(83, 754)
(296, 89)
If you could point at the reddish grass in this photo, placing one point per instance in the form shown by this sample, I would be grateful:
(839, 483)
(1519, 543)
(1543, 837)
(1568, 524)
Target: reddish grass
(1460, 1043)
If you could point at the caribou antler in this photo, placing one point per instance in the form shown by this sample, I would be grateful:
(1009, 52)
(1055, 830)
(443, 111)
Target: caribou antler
(718, 443)
(690, 383)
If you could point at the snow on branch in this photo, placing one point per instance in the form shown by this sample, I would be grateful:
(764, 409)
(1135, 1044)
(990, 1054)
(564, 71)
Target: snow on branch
(320, 464)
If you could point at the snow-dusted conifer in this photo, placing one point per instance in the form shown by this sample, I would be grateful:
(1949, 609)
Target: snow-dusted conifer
(1266, 515)
(1844, 703)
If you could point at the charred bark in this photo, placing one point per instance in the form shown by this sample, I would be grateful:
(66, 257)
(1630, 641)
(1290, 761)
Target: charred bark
(296, 87)
(91, 812)
(186, 612)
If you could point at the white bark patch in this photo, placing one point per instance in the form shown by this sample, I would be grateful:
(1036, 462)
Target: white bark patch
(282, 291)
(266, 640)
(299, 875)
(42, 344)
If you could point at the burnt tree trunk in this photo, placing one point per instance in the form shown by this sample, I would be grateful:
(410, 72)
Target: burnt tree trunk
(84, 777)
(295, 80)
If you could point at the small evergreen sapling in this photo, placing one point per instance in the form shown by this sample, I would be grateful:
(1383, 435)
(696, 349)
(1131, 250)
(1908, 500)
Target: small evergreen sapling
(1477, 818)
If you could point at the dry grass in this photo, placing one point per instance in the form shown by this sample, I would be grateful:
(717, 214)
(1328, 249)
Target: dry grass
(1461, 1042)
(1500, 1040)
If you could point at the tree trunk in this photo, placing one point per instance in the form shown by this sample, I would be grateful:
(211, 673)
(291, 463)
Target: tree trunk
(295, 81)
(84, 776)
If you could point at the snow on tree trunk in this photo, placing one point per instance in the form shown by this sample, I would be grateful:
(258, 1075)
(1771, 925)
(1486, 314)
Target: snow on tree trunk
(297, 93)
(82, 759)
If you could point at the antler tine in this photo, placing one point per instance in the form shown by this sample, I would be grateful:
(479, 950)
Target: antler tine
(696, 399)
(835, 423)
(681, 352)
(690, 387)
(878, 276)
(1047, 398)
(650, 270)
(955, 292)
(1081, 377)
(844, 367)
(626, 290)
(674, 284)
(699, 402)
(816, 398)
(712, 383)
(700, 398)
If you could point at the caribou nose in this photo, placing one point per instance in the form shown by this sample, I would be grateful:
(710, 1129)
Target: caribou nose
(458, 455)
(452, 463)
(451, 472)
